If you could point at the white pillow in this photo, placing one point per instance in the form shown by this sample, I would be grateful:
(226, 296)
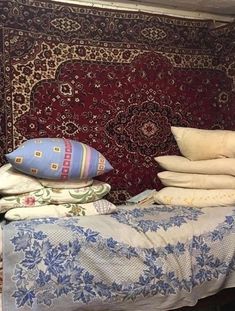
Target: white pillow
(197, 181)
(195, 197)
(184, 165)
(197, 144)
(14, 182)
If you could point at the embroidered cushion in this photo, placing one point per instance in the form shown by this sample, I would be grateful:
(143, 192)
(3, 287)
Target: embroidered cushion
(195, 197)
(184, 165)
(46, 196)
(99, 207)
(81, 195)
(197, 144)
(29, 199)
(14, 182)
(197, 181)
(58, 159)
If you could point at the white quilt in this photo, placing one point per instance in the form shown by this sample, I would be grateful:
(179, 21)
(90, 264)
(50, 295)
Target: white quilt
(156, 259)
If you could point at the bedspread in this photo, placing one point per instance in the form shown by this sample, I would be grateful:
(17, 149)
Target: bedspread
(159, 257)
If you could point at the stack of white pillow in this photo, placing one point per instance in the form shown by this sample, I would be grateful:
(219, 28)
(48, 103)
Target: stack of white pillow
(205, 173)
(27, 197)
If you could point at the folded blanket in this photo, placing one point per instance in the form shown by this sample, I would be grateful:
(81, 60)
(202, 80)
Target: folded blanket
(55, 196)
(197, 181)
(99, 207)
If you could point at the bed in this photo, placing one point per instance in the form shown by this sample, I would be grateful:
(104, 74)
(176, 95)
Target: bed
(157, 257)
(116, 81)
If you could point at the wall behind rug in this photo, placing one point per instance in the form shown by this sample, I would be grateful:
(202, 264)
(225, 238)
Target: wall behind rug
(112, 79)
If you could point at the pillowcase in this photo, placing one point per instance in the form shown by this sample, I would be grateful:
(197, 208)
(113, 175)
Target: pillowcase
(195, 197)
(99, 207)
(197, 181)
(184, 165)
(197, 144)
(66, 184)
(31, 199)
(81, 195)
(58, 158)
(14, 182)
(55, 196)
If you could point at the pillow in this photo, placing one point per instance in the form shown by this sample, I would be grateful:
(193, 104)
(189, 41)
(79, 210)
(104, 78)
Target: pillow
(197, 181)
(14, 182)
(31, 199)
(66, 184)
(195, 197)
(99, 207)
(196, 144)
(58, 158)
(81, 195)
(184, 165)
(55, 196)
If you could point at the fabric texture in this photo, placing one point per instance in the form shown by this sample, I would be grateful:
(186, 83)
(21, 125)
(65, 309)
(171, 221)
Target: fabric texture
(119, 261)
(66, 184)
(198, 198)
(99, 207)
(33, 198)
(112, 79)
(81, 195)
(14, 182)
(197, 181)
(181, 164)
(199, 144)
(57, 158)
(46, 196)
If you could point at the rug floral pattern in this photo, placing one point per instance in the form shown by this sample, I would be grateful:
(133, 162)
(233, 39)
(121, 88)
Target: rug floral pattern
(114, 80)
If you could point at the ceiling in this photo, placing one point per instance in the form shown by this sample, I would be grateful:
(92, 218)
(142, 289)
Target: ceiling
(221, 7)
(218, 10)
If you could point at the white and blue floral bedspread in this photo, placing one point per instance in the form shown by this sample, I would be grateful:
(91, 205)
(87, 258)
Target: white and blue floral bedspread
(155, 258)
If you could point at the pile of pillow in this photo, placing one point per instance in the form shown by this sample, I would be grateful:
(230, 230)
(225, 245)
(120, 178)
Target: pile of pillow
(53, 178)
(205, 173)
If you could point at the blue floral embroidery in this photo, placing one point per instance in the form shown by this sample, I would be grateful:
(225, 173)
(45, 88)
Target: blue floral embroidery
(180, 215)
(50, 271)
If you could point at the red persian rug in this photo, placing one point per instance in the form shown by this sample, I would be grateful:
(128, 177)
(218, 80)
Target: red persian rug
(112, 79)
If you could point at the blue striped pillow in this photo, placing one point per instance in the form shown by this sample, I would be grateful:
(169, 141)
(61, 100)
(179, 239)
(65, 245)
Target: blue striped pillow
(58, 158)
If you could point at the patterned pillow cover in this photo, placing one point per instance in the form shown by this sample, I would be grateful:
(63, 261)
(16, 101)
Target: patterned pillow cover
(58, 158)
(55, 196)
(13, 182)
(100, 207)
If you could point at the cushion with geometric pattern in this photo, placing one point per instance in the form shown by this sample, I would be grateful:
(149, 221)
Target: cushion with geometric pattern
(58, 158)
